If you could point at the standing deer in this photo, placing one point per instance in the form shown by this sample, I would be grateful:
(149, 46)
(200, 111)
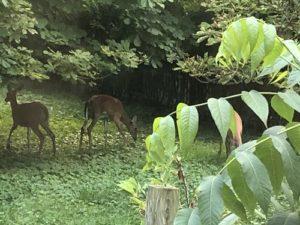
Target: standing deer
(99, 105)
(29, 115)
(233, 141)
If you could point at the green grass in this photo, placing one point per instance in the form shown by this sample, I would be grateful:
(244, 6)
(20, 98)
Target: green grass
(78, 187)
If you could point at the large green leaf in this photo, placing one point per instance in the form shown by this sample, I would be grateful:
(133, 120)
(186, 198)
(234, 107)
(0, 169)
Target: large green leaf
(285, 218)
(272, 59)
(239, 32)
(246, 48)
(293, 49)
(221, 112)
(269, 37)
(257, 178)
(231, 49)
(282, 109)
(156, 122)
(259, 51)
(294, 77)
(276, 60)
(229, 220)
(288, 194)
(249, 38)
(248, 146)
(291, 164)
(187, 123)
(210, 201)
(258, 103)
(130, 185)
(253, 27)
(294, 135)
(240, 186)
(271, 159)
(276, 131)
(291, 98)
(155, 148)
(187, 216)
(252, 41)
(232, 203)
(277, 206)
(165, 128)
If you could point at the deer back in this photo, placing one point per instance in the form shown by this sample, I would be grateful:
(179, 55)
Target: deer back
(30, 114)
(113, 107)
(99, 104)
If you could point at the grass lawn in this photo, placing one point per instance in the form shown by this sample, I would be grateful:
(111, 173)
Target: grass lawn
(73, 187)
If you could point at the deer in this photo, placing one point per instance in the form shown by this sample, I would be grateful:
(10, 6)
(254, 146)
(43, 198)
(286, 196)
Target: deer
(233, 139)
(107, 107)
(30, 115)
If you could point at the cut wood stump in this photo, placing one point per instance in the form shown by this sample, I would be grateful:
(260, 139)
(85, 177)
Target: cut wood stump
(161, 205)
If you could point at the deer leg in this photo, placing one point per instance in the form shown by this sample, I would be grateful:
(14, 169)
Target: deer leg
(41, 137)
(89, 131)
(82, 130)
(105, 132)
(28, 139)
(14, 126)
(119, 126)
(228, 142)
(51, 134)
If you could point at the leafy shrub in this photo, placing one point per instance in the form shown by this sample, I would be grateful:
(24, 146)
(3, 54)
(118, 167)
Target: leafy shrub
(251, 175)
(77, 66)
(223, 14)
(121, 54)
(256, 169)
(17, 20)
(19, 62)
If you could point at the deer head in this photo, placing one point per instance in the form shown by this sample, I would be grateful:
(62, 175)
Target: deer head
(12, 92)
(133, 128)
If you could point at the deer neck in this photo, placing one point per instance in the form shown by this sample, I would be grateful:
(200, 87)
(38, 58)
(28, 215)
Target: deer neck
(14, 103)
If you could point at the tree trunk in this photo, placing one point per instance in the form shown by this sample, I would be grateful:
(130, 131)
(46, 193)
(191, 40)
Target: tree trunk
(162, 205)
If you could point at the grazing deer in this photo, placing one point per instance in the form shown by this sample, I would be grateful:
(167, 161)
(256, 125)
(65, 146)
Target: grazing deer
(233, 141)
(29, 115)
(105, 105)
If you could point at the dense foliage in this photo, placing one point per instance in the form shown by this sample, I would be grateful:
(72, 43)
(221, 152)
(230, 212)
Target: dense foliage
(284, 14)
(107, 36)
(80, 41)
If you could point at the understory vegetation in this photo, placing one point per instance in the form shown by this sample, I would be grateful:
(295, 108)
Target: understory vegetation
(78, 187)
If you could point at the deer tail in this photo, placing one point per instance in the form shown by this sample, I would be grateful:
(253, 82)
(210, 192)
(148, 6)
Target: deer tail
(86, 110)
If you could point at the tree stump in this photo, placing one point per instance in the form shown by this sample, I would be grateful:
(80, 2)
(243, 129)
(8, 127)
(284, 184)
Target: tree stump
(161, 205)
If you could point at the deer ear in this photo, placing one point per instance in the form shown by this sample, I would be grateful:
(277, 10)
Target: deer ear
(134, 119)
